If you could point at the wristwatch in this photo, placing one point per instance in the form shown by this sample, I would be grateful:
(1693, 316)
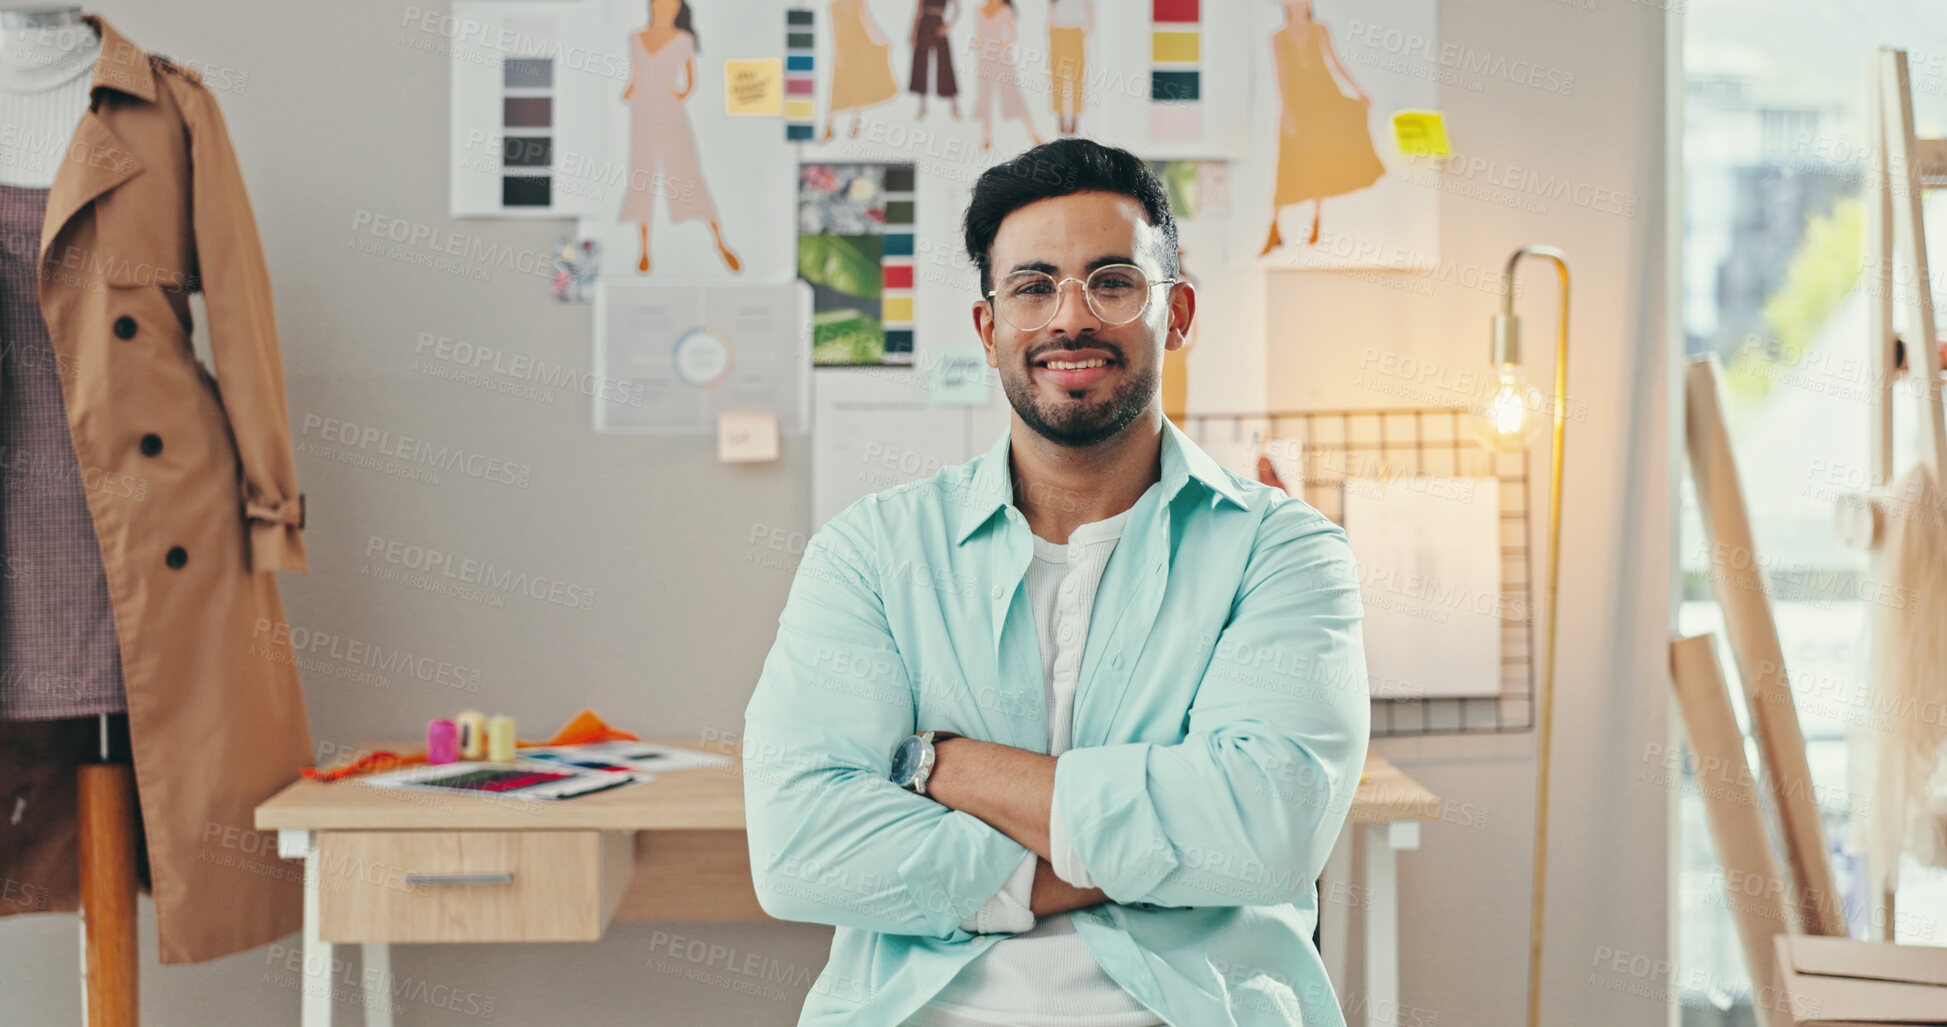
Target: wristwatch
(912, 762)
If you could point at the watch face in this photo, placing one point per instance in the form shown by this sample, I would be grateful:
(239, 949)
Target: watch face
(905, 761)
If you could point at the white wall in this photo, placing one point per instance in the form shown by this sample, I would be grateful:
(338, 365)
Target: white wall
(1358, 341)
(337, 116)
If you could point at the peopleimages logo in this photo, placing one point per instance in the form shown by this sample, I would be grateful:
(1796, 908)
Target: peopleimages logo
(437, 570)
(418, 451)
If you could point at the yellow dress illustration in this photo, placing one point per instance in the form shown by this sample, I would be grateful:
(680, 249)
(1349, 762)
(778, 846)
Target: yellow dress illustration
(861, 63)
(1324, 142)
(1069, 23)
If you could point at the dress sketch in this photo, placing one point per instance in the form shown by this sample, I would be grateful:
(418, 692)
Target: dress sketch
(662, 145)
(861, 63)
(1070, 23)
(1000, 83)
(933, 51)
(1324, 143)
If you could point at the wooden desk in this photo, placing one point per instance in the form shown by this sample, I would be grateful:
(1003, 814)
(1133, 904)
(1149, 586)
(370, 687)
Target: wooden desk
(1389, 806)
(386, 866)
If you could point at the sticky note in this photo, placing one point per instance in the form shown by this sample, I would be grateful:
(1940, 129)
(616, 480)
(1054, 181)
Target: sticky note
(746, 436)
(1421, 134)
(753, 88)
(960, 375)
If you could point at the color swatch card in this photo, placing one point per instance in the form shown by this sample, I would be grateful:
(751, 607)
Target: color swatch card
(800, 64)
(1170, 79)
(855, 248)
(526, 120)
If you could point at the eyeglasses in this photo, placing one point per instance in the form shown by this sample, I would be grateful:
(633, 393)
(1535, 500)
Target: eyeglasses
(1117, 293)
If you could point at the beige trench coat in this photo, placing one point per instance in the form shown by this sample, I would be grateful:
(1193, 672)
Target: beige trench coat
(195, 502)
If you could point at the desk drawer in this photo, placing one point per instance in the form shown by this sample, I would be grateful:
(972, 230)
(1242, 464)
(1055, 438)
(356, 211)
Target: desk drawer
(457, 886)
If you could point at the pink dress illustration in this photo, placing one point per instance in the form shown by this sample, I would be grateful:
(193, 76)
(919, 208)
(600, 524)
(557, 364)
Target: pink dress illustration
(999, 80)
(662, 145)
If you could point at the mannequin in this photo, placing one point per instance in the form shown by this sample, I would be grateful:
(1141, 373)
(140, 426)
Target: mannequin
(57, 629)
(45, 57)
(143, 511)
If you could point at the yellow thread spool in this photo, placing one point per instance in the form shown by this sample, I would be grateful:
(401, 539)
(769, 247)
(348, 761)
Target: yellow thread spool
(500, 738)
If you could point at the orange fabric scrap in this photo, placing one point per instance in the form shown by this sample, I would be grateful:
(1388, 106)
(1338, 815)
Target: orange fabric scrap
(581, 729)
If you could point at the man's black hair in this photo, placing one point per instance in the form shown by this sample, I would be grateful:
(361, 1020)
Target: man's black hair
(1060, 168)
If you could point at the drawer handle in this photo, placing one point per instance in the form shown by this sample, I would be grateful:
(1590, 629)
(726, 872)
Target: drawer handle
(506, 878)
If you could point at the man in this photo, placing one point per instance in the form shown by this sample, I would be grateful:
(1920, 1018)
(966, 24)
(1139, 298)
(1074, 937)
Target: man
(1143, 677)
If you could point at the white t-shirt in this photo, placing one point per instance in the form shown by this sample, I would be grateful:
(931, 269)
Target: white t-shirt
(1045, 976)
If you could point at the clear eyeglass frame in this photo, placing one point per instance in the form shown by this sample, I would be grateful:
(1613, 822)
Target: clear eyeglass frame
(1061, 295)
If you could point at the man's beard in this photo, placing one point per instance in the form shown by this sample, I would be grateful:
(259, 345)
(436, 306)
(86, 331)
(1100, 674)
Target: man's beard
(1078, 423)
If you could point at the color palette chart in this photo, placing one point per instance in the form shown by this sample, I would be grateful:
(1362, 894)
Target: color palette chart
(527, 131)
(1175, 71)
(896, 265)
(800, 89)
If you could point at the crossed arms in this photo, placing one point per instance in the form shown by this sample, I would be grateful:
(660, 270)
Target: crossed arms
(1241, 811)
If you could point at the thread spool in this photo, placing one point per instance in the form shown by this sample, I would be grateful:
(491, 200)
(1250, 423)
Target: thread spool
(442, 741)
(473, 734)
(500, 738)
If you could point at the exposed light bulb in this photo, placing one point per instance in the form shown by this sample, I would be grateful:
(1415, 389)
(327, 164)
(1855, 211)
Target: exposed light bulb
(1511, 418)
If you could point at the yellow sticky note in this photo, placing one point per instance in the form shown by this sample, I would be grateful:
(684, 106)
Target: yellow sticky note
(1421, 134)
(801, 110)
(753, 88)
(746, 436)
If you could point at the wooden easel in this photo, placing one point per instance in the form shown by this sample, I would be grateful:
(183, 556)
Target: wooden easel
(1904, 167)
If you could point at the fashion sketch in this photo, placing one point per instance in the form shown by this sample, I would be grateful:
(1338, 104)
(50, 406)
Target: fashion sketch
(1070, 23)
(932, 50)
(662, 145)
(861, 63)
(1000, 83)
(1324, 143)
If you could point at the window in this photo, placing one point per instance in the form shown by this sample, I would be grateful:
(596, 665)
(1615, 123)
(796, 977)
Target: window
(1772, 248)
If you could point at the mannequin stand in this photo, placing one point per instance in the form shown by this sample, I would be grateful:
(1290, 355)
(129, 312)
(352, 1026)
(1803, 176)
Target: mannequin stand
(107, 802)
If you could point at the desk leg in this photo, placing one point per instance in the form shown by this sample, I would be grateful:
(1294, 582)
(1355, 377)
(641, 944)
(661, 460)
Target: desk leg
(1382, 916)
(1335, 912)
(315, 985)
(376, 982)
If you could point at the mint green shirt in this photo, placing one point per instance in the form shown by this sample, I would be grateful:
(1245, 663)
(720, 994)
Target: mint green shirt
(1220, 726)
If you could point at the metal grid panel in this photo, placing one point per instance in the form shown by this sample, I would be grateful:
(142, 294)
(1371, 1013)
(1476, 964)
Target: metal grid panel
(1333, 445)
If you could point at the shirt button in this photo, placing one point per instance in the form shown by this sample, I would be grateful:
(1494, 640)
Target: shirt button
(1068, 634)
(177, 557)
(151, 444)
(997, 592)
(125, 327)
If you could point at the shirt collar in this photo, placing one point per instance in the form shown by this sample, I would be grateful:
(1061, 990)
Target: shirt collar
(992, 487)
(122, 66)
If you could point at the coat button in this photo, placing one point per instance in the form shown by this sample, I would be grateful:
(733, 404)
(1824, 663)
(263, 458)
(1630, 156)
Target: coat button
(177, 556)
(125, 327)
(151, 444)
(997, 592)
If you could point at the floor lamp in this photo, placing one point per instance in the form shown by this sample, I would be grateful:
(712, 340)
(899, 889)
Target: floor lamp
(1509, 423)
